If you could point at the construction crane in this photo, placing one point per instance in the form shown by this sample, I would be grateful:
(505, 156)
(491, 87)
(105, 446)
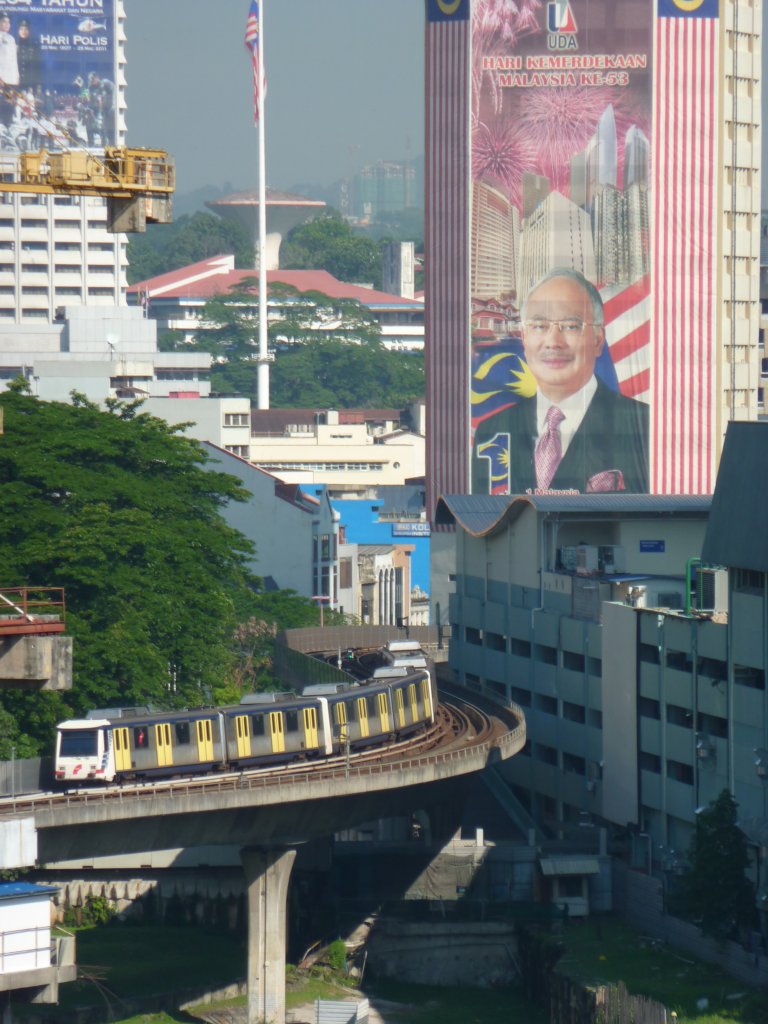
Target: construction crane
(137, 183)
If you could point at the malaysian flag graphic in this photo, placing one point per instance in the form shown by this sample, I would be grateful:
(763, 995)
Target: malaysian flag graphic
(684, 268)
(447, 242)
(252, 30)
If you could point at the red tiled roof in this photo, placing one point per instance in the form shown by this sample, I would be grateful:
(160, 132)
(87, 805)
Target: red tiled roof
(216, 276)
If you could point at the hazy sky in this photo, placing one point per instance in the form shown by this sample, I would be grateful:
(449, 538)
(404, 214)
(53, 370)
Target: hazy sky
(345, 87)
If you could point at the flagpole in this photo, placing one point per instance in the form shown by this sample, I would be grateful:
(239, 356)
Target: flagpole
(262, 380)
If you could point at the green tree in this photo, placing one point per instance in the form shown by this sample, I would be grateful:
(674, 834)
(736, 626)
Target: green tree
(329, 243)
(119, 509)
(715, 891)
(332, 375)
(167, 247)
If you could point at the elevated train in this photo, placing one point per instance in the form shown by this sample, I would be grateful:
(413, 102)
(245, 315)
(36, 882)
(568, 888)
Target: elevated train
(116, 745)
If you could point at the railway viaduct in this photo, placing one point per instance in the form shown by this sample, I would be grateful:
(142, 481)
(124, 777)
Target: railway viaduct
(266, 814)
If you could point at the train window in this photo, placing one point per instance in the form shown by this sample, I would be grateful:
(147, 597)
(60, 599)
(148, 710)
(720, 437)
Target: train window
(257, 725)
(340, 713)
(291, 721)
(182, 732)
(371, 702)
(351, 709)
(78, 742)
(140, 737)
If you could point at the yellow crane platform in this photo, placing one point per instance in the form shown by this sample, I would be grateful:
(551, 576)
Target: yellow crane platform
(137, 183)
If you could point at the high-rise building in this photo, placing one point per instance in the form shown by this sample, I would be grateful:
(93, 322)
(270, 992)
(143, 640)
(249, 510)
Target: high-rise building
(55, 251)
(646, 121)
(495, 230)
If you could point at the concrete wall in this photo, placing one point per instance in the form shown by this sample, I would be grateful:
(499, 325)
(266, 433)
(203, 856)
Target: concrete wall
(40, 662)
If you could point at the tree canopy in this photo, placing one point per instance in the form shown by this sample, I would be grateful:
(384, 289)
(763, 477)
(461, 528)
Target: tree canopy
(167, 247)
(715, 891)
(335, 376)
(329, 243)
(119, 509)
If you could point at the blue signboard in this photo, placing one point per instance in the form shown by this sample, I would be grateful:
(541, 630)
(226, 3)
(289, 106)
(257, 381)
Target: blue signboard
(58, 64)
(652, 546)
(410, 530)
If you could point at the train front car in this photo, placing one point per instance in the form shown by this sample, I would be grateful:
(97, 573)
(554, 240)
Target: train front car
(84, 752)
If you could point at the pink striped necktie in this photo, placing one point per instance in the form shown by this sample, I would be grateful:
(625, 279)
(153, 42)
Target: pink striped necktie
(549, 450)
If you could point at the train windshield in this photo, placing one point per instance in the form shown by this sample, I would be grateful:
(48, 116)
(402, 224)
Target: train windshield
(78, 742)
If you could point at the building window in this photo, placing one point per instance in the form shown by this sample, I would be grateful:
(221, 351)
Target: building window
(649, 708)
(712, 725)
(345, 573)
(680, 772)
(595, 667)
(545, 754)
(679, 716)
(749, 580)
(498, 688)
(547, 655)
(649, 653)
(574, 712)
(237, 419)
(520, 696)
(520, 648)
(495, 641)
(573, 662)
(238, 449)
(35, 314)
(746, 675)
(680, 661)
(546, 704)
(34, 268)
(573, 763)
(713, 669)
(649, 762)
(473, 636)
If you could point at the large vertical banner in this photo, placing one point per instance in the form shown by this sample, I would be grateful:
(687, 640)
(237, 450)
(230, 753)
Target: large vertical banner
(58, 69)
(560, 251)
(685, 433)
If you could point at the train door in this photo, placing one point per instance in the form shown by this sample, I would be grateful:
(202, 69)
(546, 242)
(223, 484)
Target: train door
(413, 701)
(163, 744)
(122, 750)
(362, 714)
(277, 731)
(340, 720)
(243, 735)
(426, 697)
(204, 739)
(310, 728)
(383, 708)
(399, 707)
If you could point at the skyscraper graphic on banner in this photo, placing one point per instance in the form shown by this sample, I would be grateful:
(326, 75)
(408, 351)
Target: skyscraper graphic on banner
(589, 123)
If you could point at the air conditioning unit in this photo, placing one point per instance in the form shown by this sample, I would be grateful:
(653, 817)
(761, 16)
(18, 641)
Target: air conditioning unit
(712, 590)
(586, 559)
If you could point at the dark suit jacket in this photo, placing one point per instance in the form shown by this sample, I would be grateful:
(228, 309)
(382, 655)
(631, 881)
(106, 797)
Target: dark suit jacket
(612, 436)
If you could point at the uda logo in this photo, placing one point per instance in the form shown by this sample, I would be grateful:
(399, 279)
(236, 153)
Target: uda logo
(561, 26)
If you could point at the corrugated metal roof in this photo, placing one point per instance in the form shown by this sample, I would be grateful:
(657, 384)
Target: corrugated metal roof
(736, 534)
(481, 514)
(14, 890)
(558, 866)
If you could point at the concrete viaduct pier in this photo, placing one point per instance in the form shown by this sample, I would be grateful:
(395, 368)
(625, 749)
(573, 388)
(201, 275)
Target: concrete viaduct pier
(267, 815)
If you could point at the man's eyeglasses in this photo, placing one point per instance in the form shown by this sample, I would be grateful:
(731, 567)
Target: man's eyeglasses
(569, 325)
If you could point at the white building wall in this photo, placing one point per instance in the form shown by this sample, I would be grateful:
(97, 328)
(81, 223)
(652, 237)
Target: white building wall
(282, 533)
(225, 422)
(25, 929)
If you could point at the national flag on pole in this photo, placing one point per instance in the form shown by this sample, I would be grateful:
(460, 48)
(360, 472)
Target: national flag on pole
(252, 30)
